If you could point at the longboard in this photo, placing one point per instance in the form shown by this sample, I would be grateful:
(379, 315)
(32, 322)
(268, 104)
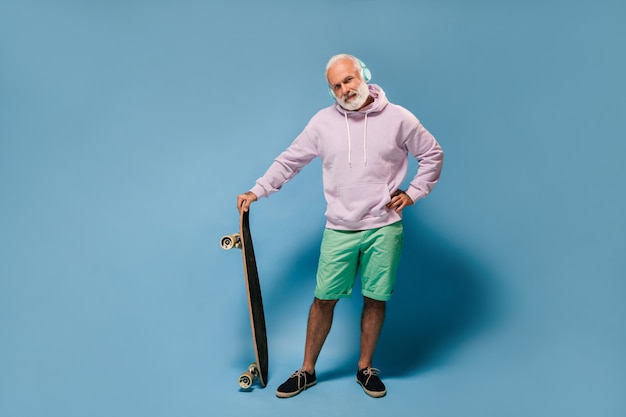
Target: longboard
(243, 241)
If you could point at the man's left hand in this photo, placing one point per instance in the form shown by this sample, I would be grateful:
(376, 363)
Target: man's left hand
(399, 200)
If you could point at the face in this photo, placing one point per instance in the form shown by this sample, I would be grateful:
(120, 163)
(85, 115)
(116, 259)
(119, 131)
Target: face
(346, 84)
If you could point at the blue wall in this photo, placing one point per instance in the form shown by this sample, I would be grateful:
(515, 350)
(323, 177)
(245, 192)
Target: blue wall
(128, 128)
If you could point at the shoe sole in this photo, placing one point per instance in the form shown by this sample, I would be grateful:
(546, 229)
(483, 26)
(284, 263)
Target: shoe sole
(373, 394)
(280, 394)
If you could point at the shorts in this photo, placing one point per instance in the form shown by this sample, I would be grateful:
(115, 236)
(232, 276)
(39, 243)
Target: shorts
(375, 253)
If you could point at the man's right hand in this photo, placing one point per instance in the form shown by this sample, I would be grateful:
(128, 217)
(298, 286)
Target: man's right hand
(244, 200)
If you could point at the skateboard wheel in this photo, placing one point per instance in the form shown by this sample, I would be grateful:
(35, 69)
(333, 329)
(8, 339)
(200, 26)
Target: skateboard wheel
(230, 241)
(245, 380)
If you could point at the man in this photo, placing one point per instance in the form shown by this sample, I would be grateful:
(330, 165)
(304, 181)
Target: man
(363, 141)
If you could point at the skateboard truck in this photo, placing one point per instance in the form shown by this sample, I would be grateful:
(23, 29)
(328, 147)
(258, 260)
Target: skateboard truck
(230, 241)
(246, 378)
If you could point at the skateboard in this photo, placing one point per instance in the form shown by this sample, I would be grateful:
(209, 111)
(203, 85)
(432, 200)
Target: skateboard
(243, 241)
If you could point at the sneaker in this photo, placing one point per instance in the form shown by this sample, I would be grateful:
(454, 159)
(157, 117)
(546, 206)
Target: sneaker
(370, 382)
(297, 382)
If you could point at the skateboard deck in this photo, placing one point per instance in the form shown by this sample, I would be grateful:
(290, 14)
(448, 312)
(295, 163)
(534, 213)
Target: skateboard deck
(243, 240)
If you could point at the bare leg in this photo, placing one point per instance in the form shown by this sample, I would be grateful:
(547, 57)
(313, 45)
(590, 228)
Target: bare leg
(320, 322)
(371, 324)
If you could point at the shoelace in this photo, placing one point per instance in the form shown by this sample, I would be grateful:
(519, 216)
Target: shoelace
(369, 372)
(301, 375)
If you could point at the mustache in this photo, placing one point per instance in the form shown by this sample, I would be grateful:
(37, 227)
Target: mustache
(349, 94)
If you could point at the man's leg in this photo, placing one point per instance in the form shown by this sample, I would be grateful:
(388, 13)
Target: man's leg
(320, 322)
(372, 320)
(318, 327)
(336, 272)
(371, 324)
(381, 251)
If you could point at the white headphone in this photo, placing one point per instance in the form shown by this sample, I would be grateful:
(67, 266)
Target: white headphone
(365, 72)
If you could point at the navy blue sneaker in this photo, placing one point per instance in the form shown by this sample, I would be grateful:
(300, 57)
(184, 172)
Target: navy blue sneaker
(370, 382)
(297, 382)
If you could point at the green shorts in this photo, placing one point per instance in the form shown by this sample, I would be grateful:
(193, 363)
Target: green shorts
(375, 253)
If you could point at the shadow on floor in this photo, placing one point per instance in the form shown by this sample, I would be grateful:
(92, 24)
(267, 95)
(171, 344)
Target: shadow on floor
(444, 295)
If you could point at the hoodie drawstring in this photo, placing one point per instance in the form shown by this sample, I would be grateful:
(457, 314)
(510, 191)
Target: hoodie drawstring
(350, 141)
(365, 142)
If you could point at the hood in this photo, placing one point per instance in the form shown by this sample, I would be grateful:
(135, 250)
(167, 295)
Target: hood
(380, 102)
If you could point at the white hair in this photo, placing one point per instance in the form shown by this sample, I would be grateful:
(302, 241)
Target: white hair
(336, 58)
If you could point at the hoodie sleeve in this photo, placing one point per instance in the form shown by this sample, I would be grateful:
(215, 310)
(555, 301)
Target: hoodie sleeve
(286, 165)
(423, 146)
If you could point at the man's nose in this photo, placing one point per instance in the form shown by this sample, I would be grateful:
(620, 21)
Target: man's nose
(345, 89)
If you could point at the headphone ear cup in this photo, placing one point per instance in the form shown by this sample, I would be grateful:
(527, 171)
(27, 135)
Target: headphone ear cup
(365, 72)
(330, 93)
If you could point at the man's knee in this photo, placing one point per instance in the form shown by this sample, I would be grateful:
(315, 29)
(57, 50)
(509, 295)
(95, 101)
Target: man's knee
(372, 303)
(324, 304)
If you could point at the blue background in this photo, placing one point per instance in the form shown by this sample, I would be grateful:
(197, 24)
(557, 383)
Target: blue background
(127, 128)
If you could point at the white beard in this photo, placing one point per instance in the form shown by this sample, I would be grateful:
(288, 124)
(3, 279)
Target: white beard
(359, 96)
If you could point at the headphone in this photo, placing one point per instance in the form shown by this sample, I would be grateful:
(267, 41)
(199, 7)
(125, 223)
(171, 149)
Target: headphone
(366, 74)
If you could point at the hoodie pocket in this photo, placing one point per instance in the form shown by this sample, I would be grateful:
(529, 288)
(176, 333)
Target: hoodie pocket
(356, 202)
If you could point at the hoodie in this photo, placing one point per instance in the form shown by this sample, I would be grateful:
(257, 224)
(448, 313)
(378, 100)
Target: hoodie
(364, 158)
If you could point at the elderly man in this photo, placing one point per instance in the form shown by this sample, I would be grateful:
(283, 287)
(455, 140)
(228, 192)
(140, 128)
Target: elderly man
(363, 141)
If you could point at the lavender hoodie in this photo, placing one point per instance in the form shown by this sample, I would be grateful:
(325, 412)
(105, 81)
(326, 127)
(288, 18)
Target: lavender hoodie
(364, 159)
